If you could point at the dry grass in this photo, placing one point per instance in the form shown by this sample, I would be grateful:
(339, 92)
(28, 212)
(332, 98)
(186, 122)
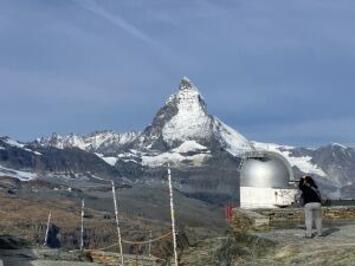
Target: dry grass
(27, 218)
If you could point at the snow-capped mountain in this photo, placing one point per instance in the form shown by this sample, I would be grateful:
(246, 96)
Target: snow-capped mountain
(185, 118)
(7, 141)
(338, 161)
(26, 161)
(184, 134)
(108, 141)
(205, 152)
(183, 130)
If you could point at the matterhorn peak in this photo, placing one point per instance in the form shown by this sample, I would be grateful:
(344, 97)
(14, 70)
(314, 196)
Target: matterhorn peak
(187, 84)
(184, 120)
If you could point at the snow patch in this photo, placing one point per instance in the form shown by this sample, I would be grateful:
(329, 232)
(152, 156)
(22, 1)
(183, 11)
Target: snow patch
(97, 177)
(235, 143)
(339, 145)
(130, 161)
(109, 160)
(13, 143)
(271, 146)
(174, 159)
(19, 174)
(191, 120)
(34, 152)
(304, 164)
(189, 146)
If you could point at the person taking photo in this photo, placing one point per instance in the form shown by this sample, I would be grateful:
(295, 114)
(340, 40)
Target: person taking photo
(312, 205)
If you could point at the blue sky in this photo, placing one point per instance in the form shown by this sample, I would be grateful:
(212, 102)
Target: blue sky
(277, 70)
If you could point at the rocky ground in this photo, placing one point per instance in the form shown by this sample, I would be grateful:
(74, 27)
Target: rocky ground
(24, 209)
(274, 247)
(56, 257)
(336, 248)
(277, 247)
(42, 257)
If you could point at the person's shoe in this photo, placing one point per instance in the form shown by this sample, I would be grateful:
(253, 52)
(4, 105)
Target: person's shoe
(308, 237)
(321, 235)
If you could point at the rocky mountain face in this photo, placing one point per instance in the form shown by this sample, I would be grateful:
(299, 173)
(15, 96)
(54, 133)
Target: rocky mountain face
(184, 119)
(27, 161)
(338, 162)
(203, 152)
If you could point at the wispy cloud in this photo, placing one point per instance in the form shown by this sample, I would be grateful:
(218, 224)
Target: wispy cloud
(118, 21)
(279, 71)
(164, 52)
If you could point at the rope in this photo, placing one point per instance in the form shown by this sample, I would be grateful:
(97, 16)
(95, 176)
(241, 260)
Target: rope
(147, 241)
(137, 242)
(106, 248)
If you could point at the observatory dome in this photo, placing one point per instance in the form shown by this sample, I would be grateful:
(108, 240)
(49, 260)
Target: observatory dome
(266, 170)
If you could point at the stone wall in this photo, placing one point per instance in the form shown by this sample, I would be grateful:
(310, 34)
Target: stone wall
(260, 219)
(282, 215)
(297, 214)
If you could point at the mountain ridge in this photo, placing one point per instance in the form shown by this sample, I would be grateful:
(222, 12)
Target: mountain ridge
(184, 134)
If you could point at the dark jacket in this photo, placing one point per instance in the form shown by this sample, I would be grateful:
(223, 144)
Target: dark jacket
(309, 193)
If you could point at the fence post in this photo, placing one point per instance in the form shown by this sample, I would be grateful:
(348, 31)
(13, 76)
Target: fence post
(172, 213)
(117, 221)
(150, 244)
(47, 229)
(82, 225)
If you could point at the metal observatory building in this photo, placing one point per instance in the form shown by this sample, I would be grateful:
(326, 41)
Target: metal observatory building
(266, 181)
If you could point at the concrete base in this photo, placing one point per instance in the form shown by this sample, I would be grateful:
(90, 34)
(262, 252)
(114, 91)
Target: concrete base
(255, 197)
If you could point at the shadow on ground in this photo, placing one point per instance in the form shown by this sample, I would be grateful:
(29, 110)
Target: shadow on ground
(15, 252)
(330, 231)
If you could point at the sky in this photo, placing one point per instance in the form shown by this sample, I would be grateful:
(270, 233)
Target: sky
(277, 71)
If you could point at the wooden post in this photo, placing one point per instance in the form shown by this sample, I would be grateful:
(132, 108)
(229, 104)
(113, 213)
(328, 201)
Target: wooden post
(171, 194)
(47, 230)
(117, 222)
(82, 225)
(150, 244)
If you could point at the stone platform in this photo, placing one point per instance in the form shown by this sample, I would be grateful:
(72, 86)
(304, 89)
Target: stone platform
(285, 228)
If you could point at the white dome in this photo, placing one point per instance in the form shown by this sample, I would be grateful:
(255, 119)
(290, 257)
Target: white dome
(267, 170)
